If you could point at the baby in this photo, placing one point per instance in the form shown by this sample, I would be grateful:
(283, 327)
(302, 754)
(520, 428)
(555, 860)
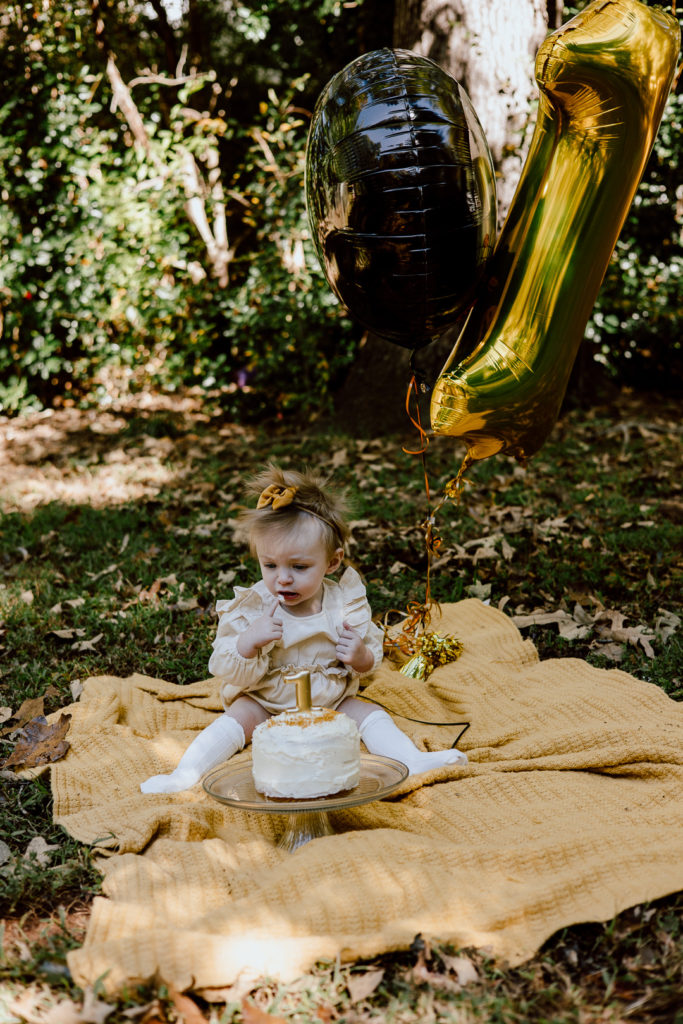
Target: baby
(294, 618)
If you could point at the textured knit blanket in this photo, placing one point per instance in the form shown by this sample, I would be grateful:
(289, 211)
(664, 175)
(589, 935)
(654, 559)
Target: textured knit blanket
(570, 810)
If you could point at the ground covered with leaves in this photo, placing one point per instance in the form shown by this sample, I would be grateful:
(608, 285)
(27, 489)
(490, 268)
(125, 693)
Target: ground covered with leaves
(116, 540)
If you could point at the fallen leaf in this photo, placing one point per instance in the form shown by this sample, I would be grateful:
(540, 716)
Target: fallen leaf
(186, 604)
(541, 619)
(27, 596)
(252, 1014)
(507, 550)
(361, 986)
(66, 634)
(63, 1012)
(613, 652)
(40, 743)
(666, 624)
(94, 576)
(186, 1008)
(40, 851)
(5, 713)
(462, 967)
(25, 1006)
(76, 687)
(421, 975)
(32, 707)
(482, 591)
(5, 852)
(149, 1013)
(339, 458)
(95, 1011)
(87, 645)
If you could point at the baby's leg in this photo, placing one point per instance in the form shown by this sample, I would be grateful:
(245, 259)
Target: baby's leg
(224, 737)
(382, 736)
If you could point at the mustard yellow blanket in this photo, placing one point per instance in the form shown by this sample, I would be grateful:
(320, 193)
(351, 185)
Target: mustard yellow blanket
(570, 810)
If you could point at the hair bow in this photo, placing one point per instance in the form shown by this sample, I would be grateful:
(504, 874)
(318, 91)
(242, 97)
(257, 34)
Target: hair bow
(277, 496)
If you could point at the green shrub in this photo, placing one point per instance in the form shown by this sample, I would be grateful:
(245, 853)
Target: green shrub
(103, 270)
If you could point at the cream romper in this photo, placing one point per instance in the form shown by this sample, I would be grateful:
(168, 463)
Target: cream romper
(307, 641)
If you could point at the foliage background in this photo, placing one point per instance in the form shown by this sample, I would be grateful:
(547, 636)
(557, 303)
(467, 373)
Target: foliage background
(106, 286)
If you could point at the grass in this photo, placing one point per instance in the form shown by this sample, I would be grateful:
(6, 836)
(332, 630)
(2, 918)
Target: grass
(116, 541)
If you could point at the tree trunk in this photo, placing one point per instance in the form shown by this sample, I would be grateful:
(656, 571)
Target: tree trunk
(490, 48)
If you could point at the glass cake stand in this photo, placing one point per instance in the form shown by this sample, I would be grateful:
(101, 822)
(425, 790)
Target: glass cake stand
(233, 784)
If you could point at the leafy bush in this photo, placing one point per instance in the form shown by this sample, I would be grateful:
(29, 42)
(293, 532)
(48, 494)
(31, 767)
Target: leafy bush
(637, 325)
(103, 268)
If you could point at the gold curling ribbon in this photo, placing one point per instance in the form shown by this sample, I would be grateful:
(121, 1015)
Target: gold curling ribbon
(432, 650)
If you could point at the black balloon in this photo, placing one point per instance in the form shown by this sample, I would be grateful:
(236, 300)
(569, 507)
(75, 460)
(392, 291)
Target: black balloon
(401, 194)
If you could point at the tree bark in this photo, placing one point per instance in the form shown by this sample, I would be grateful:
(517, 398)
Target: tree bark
(490, 48)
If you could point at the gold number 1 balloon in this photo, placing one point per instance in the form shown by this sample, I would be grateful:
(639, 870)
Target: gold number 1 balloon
(603, 78)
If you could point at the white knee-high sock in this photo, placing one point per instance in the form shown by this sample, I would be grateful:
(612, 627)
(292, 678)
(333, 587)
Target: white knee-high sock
(219, 741)
(381, 735)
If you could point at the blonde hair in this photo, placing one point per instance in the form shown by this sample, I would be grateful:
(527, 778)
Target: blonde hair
(310, 501)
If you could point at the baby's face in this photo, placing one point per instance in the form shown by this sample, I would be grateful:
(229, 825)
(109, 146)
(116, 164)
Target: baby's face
(293, 567)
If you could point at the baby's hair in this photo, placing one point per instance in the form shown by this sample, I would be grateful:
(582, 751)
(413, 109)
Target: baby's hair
(311, 501)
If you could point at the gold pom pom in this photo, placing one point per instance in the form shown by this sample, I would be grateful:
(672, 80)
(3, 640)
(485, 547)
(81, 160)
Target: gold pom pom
(432, 650)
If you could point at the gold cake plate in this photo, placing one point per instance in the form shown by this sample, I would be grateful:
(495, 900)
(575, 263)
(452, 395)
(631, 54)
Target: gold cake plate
(233, 784)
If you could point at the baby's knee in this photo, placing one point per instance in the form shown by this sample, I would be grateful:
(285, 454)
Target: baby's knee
(249, 713)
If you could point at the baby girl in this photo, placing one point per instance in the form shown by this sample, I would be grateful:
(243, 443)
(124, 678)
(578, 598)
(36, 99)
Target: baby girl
(296, 617)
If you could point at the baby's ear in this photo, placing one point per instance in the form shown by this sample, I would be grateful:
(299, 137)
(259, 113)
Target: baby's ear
(336, 560)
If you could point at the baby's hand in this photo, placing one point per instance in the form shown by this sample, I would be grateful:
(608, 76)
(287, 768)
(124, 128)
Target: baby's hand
(352, 651)
(264, 630)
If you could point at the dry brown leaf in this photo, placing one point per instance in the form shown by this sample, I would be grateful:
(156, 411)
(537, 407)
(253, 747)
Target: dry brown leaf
(40, 850)
(613, 652)
(87, 645)
(66, 634)
(94, 576)
(40, 743)
(32, 707)
(339, 458)
(186, 604)
(26, 1005)
(252, 1014)
(361, 986)
(666, 624)
(421, 975)
(149, 1013)
(507, 550)
(462, 967)
(186, 1008)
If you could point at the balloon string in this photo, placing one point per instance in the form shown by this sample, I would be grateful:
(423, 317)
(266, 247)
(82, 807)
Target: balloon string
(419, 613)
(415, 420)
(431, 541)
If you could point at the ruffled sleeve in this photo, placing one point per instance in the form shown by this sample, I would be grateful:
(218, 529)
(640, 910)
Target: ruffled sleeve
(358, 614)
(235, 616)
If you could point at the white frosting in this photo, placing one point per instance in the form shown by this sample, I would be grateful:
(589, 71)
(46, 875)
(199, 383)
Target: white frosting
(304, 754)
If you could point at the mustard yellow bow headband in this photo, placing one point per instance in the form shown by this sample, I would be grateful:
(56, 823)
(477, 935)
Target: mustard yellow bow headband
(277, 496)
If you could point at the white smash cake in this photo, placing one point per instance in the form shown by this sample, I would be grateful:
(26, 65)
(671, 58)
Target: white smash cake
(304, 754)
